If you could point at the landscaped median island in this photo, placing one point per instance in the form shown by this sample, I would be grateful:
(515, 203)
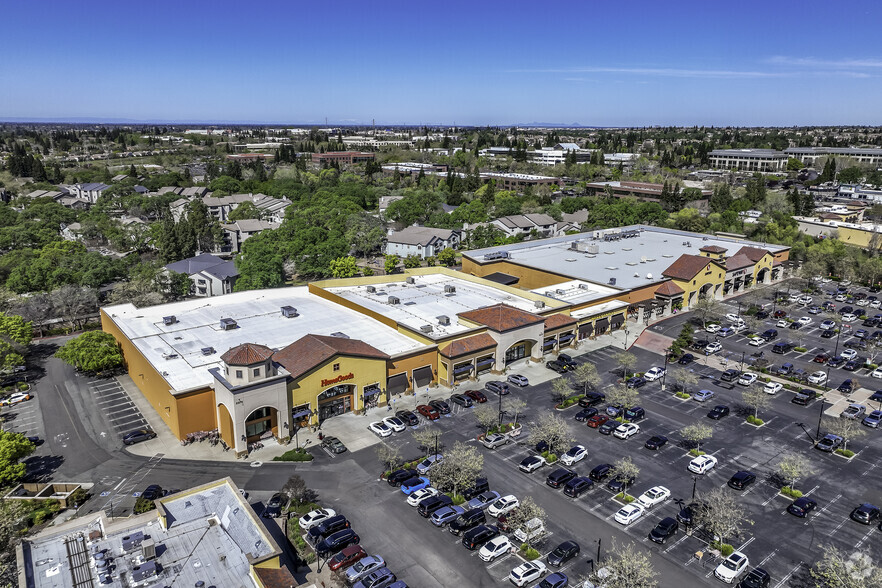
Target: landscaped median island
(294, 455)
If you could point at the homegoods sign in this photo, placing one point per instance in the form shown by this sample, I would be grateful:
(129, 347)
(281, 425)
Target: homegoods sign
(338, 379)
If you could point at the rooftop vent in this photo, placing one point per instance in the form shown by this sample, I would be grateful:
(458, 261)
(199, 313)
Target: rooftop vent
(170, 355)
(410, 280)
(132, 541)
(443, 319)
(227, 324)
(583, 286)
(612, 281)
(594, 249)
(648, 276)
(144, 571)
(561, 291)
(631, 263)
(496, 255)
(340, 335)
(169, 320)
(207, 350)
(611, 267)
(539, 304)
(426, 328)
(449, 289)
(148, 549)
(393, 300)
(574, 245)
(371, 289)
(289, 312)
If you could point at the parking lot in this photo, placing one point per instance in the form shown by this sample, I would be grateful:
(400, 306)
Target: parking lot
(115, 403)
(780, 543)
(24, 417)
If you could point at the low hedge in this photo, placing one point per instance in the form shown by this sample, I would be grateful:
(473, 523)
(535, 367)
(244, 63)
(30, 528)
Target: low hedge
(845, 452)
(456, 498)
(549, 457)
(683, 395)
(626, 498)
(724, 548)
(696, 452)
(800, 349)
(569, 401)
(294, 455)
(304, 551)
(754, 421)
(788, 491)
(528, 553)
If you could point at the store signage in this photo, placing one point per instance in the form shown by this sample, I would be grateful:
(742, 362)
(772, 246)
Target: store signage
(338, 379)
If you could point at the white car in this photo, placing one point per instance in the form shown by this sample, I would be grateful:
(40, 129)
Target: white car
(827, 325)
(756, 341)
(314, 517)
(653, 496)
(848, 354)
(532, 463)
(818, 378)
(840, 298)
(804, 300)
(576, 453)
(380, 428)
(626, 430)
(713, 347)
(734, 318)
(712, 328)
(15, 398)
(394, 423)
(653, 374)
(527, 573)
(862, 302)
(849, 317)
(782, 324)
(794, 298)
(877, 373)
(496, 547)
(826, 280)
(503, 505)
(747, 379)
(875, 303)
(805, 320)
(773, 387)
(702, 464)
(629, 513)
(732, 567)
(415, 497)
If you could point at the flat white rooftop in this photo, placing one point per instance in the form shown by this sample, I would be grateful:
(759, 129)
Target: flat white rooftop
(632, 262)
(176, 350)
(422, 302)
(576, 291)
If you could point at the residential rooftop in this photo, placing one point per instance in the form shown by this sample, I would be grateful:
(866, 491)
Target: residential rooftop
(185, 349)
(634, 256)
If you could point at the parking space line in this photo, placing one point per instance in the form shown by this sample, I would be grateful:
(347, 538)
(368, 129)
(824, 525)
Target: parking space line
(865, 537)
(786, 578)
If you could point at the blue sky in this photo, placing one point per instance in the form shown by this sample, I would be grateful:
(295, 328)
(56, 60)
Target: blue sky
(641, 62)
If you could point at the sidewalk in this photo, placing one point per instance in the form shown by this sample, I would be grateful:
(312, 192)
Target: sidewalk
(350, 428)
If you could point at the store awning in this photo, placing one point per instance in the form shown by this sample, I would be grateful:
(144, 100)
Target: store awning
(422, 376)
(602, 324)
(301, 414)
(548, 343)
(586, 330)
(565, 337)
(486, 361)
(462, 369)
(397, 384)
(371, 392)
(617, 320)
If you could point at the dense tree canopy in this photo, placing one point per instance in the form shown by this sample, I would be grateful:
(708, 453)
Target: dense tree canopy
(92, 352)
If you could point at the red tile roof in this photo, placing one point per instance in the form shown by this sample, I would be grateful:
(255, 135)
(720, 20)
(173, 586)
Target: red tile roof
(669, 289)
(754, 253)
(738, 261)
(501, 317)
(275, 577)
(311, 351)
(556, 321)
(468, 345)
(713, 249)
(247, 354)
(687, 266)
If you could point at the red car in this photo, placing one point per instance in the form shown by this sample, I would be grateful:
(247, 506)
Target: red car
(597, 420)
(430, 412)
(779, 314)
(347, 557)
(477, 396)
(822, 357)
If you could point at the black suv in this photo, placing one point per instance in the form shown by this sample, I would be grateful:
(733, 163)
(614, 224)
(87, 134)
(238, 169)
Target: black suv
(480, 485)
(557, 366)
(475, 538)
(567, 360)
(408, 417)
(666, 528)
(326, 528)
(152, 492)
(782, 347)
(397, 477)
(804, 396)
(559, 477)
(769, 334)
(742, 480)
(431, 504)
(601, 472)
(865, 513)
(686, 359)
(756, 578)
(577, 486)
(592, 399)
(730, 374)
(467, 520)
(440, 406)
(336, 542)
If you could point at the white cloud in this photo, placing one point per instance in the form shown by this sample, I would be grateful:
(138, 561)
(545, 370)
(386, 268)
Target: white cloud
(814, 62)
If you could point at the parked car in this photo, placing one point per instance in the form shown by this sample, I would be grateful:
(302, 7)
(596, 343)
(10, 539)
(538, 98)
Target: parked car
(363, 567)
(636, 382)
(446, 514)
(421, 494)
(756, 578)
(494, 548)
(398, 477)
(702, 464)
(468, 520)
(462, 400)
(829, 443)
(430, 462)
(497, 387)
(346, 557)
(600, 472)
(566, 359)
(686, 359)
(314, 517)
(527, 572)
(656, 442)
(477, 396)
(626, 430)
(475, 538)
(408, 417)
(575, 454)
(730, 375)
(653, 374)
(333, 445)
(336, 542)
(557, 366)
(712, 348)
(531, 464)
(873, 419)
(494, 440)
(653, 496)
(804, 396)
(563, 553)
(381, 578)
(597, 420)
(629, 513)
(591, 399)
(664, 530)
(802, 506)
(152, 492)
(747, 379)
(441, 406)
(853, 411)
(433, 503)
(483, 500)
(503, 505)
(559, 477)
(326, 528)
(138, 436)
(732, 567)
(394, 423)
(718, 412)
(703, 395)
(865, 513)
(818, 378)
(430, 412)
(577, 486)
(585, 414)
(518, 380)
(380, 429)
(741, 480)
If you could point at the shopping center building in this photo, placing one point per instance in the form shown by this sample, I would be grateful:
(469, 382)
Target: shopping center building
(261, 364)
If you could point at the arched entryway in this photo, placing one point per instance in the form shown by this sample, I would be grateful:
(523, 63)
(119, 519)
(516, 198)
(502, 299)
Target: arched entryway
(704, 292)
(335, 401)
(262, 423)
(225, 425)
(519, 351)
(763, 276)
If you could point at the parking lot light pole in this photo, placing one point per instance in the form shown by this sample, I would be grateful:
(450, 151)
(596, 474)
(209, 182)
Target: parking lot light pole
(598, 552)
(820, 416)
(809, 435)
(694, 483)
(665, 372)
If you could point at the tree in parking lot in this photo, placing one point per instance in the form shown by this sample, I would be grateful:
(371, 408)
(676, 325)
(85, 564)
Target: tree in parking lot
(553, 430)
(15, 335)
(526, 511)
(706, 309)
(627, 361)
(794, 467)
(514, 407)
(625, 468)
(586, 377)
(428, 438)
(92, 352)
(848, 429)
(621, 395)
(836, 569)
(629, 567)
(298, 493)
(389, 455)
(755, 398)
(721, 516)
(487, 416)
(459, 469)
(561, 389)
(686, 378)
(696, 433)
(13, 448)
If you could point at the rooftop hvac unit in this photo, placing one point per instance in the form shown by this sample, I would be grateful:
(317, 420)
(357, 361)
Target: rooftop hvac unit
(561, 291)
(207, 350)
(583, 286)
(340, 335)
(539, 304)
(148, 549)
(426, 328)
(132, 541)
(593, 249)
(227, 324)
(144, 571)
(169, 320)
(574, 245)
(648, 276)
(449, 289)
(371, 289)
(688, 243)
(612, 281)
(393, 300)
(289, 312)
(443, 319)
(409, 280)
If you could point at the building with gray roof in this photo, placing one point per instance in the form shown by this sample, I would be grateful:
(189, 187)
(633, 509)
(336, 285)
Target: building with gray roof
(211, 275)
(421, 241)
(760, 160)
